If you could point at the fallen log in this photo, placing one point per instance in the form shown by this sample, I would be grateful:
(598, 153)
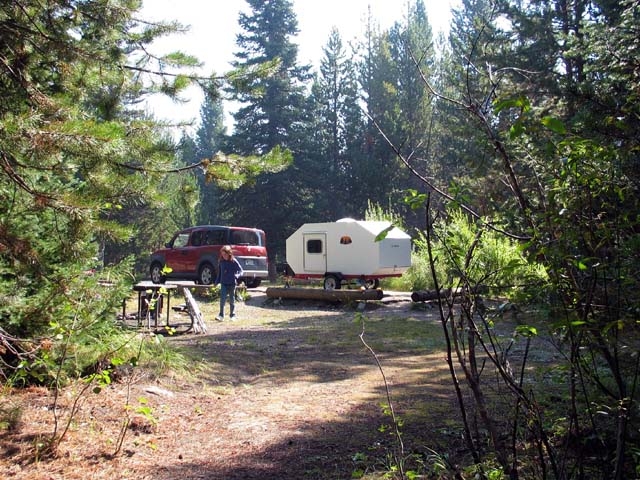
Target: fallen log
(426, 295)
(327, 295)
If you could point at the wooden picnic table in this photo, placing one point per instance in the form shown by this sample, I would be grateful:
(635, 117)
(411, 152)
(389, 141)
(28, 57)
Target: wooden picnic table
(147, 290)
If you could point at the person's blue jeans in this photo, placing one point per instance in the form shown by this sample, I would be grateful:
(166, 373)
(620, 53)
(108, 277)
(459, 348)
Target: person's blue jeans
(227, 289)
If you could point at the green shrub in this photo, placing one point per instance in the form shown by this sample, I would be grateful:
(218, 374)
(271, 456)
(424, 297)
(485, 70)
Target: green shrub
(375, 212)
(158, 357)
(417, 277)
(79, 335)
(496, 261)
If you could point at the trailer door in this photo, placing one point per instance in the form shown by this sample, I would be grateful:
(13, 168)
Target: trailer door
(315, 252)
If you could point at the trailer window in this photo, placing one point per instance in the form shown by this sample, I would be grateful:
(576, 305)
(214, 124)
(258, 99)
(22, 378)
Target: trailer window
(314, 246)
(345, 240)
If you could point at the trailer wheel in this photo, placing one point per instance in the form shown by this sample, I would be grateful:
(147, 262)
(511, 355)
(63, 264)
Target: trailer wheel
(371, 283)
(332, 282)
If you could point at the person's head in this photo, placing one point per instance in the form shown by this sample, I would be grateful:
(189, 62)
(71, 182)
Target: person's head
(226, 252)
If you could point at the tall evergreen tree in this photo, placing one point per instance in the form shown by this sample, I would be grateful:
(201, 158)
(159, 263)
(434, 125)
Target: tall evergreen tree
(335, 107)
(414, 58)
(467, 161)
(272, 113)
(396, 104)
(412, 49)
(209, 140)
(376, 171)
(211, 133)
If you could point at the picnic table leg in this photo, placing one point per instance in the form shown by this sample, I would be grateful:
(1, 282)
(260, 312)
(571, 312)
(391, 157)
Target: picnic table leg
(139, 308)
(168, 305)
(156, 311)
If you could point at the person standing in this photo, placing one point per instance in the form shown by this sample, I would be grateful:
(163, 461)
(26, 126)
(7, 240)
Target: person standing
(229, 270)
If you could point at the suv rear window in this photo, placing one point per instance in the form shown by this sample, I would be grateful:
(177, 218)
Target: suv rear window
(244, 237)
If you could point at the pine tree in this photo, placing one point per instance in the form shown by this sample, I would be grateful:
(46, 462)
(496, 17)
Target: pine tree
(414, 133)
(72, 146)
(209, 140)
(79, 173)
(272, 114)
(211, 133)
(334, 103)
(270, 106)
(413, 52)
(467, 163)
(374, 171)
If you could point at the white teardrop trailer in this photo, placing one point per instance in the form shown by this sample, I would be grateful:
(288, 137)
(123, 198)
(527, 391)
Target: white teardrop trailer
(347, 250)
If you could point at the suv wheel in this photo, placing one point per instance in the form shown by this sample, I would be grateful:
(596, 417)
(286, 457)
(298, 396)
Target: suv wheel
(156, 274)
(207, 274)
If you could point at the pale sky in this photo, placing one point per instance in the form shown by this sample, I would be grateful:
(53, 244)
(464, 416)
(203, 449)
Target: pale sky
(214, 25)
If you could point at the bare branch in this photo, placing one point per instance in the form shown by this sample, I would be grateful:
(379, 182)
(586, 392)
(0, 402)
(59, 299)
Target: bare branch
(439, 191)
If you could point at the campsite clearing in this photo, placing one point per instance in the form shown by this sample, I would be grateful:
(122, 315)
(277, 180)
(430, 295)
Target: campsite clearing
(288, 391)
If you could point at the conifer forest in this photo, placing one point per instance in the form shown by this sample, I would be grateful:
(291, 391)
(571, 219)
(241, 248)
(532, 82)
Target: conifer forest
(509, 149)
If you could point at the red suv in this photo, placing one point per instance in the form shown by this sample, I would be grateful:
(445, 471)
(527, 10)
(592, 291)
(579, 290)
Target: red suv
(192, 254)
